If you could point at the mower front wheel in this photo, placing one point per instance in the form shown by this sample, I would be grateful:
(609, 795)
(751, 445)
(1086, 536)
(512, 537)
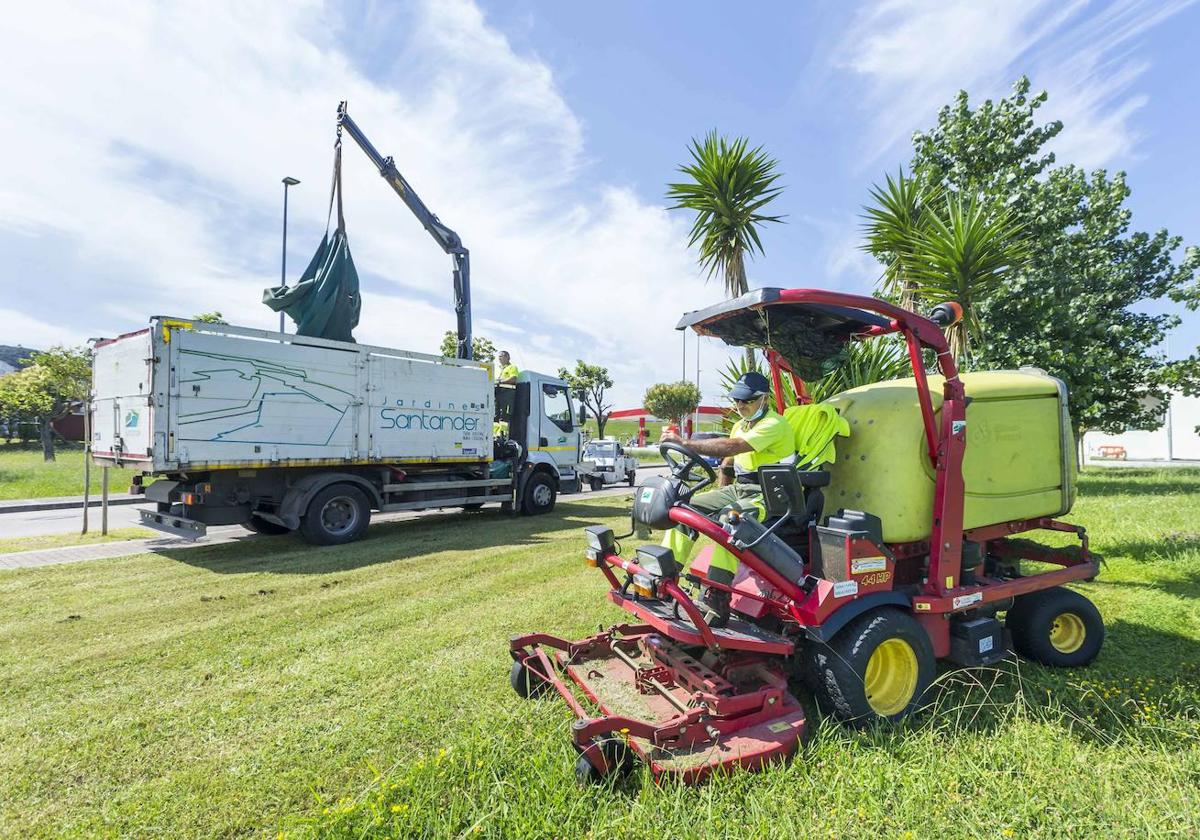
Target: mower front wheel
(1056, 627)
(525, 682)
(879, 666)
(617, 756)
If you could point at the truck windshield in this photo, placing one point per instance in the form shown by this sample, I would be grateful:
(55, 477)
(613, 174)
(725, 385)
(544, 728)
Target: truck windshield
(601, 450)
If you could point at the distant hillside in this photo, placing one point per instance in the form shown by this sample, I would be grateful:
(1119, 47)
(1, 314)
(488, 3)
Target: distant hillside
(12, 358)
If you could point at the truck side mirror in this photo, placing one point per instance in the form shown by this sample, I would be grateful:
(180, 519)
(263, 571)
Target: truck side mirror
(582, 414)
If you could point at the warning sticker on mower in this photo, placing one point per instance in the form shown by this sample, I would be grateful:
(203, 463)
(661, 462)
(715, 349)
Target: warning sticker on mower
(966, 600)
(779, 726)
(647, 494)
(843, 588)
(867, 564)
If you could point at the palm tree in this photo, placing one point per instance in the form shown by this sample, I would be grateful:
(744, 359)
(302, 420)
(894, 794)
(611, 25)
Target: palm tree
(893, 225)
(863, 362)
(964, 255)
(729, 187)
(939, 247)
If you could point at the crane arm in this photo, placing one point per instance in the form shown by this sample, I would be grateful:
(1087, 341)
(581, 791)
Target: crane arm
(445, 237)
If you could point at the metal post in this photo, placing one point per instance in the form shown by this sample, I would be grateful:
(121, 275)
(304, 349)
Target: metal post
(696, 422)
(104, 501)
(683, 376)
(87, 461)
(287, 182)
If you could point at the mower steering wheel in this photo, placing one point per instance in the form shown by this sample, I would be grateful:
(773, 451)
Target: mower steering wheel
(682, 470)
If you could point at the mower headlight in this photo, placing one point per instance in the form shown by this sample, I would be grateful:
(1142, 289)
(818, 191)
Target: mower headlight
(600, 542)
(658, 561)
(643, 585)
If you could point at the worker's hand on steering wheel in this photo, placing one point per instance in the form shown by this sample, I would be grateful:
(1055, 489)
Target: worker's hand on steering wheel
(669, 437)
(681, 469)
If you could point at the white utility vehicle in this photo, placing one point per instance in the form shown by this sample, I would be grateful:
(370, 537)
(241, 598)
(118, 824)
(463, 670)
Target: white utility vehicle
(281, 432)
(605, 462)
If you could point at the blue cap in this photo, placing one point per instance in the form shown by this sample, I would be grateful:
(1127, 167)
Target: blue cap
(749, 386)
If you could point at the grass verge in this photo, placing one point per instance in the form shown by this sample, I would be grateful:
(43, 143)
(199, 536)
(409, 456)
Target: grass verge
(24, 475)
(362, 691)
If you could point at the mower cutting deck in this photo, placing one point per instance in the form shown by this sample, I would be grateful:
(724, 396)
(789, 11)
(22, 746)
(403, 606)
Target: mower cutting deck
(684, 716)
(860, 604)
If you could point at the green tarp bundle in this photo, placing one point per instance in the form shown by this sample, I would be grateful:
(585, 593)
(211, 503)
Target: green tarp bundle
(325, 303)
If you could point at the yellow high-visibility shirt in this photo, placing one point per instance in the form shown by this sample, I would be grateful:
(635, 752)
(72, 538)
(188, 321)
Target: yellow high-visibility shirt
(771, 439)
(509, 371)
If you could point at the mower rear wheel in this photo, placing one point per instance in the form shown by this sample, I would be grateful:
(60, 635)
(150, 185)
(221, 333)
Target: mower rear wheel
(879, 666)
(525, 682)
(1056, 627)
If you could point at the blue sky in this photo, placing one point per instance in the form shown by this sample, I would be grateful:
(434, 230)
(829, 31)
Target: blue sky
(145, 178)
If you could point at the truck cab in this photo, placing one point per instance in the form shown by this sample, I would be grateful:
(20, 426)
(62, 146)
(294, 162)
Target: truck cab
(537, 414)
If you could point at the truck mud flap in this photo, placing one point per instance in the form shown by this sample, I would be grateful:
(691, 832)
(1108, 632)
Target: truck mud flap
(176, 526)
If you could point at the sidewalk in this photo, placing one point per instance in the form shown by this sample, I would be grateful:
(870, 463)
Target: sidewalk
(67, 502)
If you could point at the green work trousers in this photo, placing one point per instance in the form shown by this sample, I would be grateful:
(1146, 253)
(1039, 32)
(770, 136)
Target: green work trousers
(681, 542)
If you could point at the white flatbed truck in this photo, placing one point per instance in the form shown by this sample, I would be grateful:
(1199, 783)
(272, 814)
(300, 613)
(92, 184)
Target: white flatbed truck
(281, 432)
(605, 462)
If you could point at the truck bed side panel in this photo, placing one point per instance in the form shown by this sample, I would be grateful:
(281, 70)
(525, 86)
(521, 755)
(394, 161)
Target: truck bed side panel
(420, 410)
(240, 400)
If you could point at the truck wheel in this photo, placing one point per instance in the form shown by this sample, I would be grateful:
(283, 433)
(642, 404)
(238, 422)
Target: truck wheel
(539, 495)
(877, 667)
(338, 514)
(1056, 626)
(596, 483)
(267, 529)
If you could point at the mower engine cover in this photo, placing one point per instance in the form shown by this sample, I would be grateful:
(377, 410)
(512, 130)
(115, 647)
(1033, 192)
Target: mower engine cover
(654, 500)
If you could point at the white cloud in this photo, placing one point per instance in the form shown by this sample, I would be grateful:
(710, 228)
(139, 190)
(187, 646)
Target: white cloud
(151, 140)
(21, 330)
(915, 55)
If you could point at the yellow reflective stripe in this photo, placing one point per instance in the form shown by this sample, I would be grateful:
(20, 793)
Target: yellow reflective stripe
(553, 448)
(321, 462)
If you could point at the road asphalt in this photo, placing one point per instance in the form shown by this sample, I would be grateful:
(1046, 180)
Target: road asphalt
(22, 522)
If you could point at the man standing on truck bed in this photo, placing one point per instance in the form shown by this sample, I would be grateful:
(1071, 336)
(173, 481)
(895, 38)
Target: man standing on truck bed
(508, 371)
(759, 438)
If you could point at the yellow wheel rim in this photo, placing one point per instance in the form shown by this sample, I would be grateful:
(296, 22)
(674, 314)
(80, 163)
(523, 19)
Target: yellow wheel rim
(891, 678)
(1067, 632)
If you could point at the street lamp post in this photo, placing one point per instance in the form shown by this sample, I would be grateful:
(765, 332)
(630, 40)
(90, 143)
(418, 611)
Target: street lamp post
(287, 182)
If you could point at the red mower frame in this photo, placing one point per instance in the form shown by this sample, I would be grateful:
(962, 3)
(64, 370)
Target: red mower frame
(711, 714)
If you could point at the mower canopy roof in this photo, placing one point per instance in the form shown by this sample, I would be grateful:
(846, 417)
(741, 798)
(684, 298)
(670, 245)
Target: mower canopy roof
(810, 336)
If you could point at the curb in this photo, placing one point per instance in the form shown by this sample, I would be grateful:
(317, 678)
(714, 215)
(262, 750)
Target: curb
(25, 506)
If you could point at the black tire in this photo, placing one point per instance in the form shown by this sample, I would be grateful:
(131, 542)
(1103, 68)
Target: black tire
(525, 682)
(1056, 627)
(839, 672)
(267, 529)
(338, 514)
(586, 773)
(539, 495)
(596, 484)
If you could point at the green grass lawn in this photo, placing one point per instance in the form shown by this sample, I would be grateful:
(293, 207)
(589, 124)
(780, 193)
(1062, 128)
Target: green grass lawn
(24, 475)
(247, 690)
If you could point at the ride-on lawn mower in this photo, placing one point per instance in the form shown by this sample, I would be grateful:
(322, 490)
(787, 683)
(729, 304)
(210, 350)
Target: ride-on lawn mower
(915, 565)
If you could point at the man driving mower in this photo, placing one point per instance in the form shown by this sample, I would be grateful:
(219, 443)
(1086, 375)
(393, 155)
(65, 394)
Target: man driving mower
(761, 437)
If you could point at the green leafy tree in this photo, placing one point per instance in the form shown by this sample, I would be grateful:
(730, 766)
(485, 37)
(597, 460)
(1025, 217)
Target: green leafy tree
(729, 186)
(1087, 307)
(482, 348)
(214, 317)
(54, 382)
(672, 400)
(588, 383)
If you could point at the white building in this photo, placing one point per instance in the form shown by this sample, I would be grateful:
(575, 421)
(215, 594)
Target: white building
(1175, 440)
